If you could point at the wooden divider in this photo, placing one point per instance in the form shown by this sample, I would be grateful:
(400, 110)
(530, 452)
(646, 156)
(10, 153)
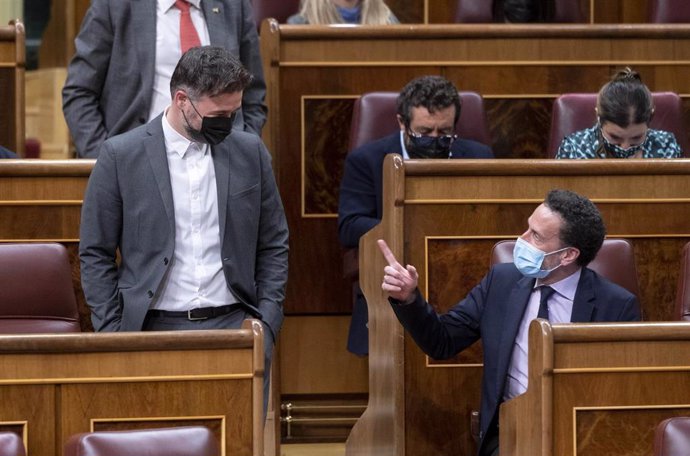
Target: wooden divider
(12, 61)
(444, 217)
(53, 386)
(598, 389)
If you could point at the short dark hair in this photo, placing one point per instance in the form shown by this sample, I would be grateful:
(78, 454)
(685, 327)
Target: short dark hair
(209, 71)
(625, 100)
(583, 227)
(431, 92)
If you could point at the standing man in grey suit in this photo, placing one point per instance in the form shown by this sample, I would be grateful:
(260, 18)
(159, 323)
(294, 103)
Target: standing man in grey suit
(193, 211)
(126, 51)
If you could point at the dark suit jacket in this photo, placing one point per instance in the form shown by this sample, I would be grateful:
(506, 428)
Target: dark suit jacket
(110, 78)
(128, 206)
(492, 311)
(362, 186)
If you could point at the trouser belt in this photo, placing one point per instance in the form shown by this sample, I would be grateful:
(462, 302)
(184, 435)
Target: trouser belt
(200, 313)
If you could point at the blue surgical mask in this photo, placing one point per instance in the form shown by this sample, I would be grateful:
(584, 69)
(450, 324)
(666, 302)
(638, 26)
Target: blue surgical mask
(350, 15)
(529, 259)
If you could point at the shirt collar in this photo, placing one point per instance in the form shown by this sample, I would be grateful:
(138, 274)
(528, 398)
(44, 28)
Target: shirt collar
(167, 4)
(566, 287)
(175, 142)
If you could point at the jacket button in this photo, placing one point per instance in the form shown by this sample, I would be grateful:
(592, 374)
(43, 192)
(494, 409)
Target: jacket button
(165, 261)
(150, 293)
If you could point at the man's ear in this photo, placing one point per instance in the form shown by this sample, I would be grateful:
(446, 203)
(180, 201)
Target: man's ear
(179, 97)
(571, 256)
(400, 122)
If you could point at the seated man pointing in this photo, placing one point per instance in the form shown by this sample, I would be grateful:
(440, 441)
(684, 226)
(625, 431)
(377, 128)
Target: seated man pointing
(548, 279)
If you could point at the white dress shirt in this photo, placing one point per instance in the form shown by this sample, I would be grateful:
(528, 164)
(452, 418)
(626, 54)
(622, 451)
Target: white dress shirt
(168, 50)
(560, 311)
(195, 278)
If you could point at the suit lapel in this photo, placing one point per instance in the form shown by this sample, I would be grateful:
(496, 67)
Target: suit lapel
(154, 146)
(514, 311)
(214, 14)
(583, 304)
(221, 165)
(144, 24)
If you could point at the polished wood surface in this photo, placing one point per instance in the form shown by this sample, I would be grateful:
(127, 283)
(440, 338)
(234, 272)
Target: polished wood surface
(313, 359)
(54, 386)
(317, 72)
(595, 389)
(12, 60)
(443, 217)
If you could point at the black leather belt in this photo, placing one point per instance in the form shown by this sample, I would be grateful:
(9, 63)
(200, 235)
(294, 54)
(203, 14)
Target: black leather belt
(200, 313)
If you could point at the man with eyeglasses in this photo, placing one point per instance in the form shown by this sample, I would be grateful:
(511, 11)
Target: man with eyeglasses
(428, 109)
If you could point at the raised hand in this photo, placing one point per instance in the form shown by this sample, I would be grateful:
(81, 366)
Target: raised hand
(399, 282)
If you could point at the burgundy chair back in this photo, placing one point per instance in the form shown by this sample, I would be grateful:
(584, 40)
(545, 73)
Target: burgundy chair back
(180, 441)
(279, 10)
(683, 289)
(668, 11)
(568, 11)
(615, 261)
(672, 437)
(374, 116)
(11, 444)
(36, 290)
(474, 11)
(575, 111)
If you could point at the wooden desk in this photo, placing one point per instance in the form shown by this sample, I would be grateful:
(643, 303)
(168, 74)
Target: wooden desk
(53, 386)
(444, 217)
(12, 86)
(598, 389)
(315, 74)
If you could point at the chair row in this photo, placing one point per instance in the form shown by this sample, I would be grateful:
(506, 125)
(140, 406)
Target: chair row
(374, 116)
(482, 11)
(180, 441)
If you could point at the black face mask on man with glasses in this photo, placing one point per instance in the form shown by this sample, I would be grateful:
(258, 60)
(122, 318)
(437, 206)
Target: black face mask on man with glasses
(424, 146)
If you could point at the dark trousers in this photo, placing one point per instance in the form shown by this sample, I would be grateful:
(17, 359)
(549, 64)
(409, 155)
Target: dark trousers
(233, 320)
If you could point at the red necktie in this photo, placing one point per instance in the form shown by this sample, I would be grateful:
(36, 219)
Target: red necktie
(189, 38)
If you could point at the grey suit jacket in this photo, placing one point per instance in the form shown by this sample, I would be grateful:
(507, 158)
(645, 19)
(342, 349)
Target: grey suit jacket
(110, 78)
(128, 207)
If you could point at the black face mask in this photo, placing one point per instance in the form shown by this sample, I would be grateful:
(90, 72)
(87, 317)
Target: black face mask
(213, 129)
(421, 146)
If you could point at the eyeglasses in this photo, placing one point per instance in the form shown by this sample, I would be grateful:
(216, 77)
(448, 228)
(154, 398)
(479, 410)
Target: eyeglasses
(430, 141)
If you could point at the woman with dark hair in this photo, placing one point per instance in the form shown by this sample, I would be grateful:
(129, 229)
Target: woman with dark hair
(624, 110)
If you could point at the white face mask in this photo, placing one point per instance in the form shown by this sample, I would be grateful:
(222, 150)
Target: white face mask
(529, 259)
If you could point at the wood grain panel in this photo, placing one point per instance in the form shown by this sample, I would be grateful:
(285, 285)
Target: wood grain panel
(140, 405)
(326, 141)
(35, 406)
(64, 384)
(630, 430)
(594, 388)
